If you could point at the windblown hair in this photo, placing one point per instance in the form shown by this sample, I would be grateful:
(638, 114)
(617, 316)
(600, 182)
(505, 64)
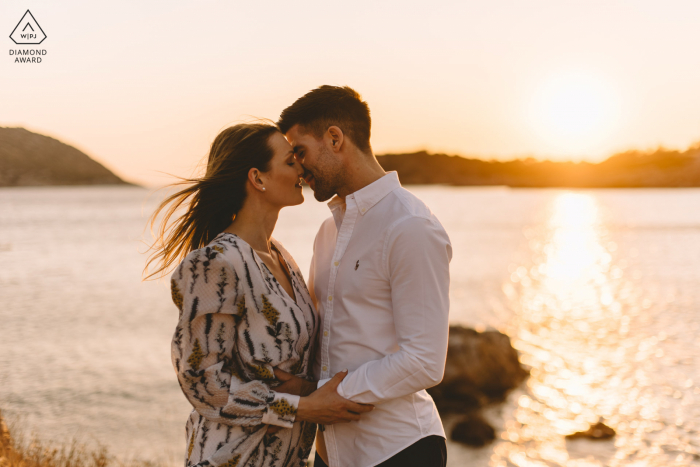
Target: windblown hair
(212, 200)
(328, 106)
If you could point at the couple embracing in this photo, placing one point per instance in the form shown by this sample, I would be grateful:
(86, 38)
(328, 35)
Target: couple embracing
(271, 365)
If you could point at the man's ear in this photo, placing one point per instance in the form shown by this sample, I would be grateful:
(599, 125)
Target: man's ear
(336, 138)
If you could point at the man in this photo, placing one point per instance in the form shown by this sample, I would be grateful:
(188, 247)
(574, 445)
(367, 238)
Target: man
(380, 280)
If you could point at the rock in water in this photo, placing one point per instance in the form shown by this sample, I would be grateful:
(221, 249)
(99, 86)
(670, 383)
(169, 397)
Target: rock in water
(31, 159)
(598, 431)
(481, 367)
(473, 430)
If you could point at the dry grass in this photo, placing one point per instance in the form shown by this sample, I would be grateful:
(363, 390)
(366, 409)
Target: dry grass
(16, 452)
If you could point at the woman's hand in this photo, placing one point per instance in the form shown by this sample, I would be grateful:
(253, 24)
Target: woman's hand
(326, 407)
(293, 384)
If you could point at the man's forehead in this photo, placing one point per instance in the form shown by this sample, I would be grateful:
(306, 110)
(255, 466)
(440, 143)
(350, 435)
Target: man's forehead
(296, 146)
(297, 137)
(291, 135)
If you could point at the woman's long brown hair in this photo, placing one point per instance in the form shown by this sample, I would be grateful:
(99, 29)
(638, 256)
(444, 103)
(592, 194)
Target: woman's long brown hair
(213, 199)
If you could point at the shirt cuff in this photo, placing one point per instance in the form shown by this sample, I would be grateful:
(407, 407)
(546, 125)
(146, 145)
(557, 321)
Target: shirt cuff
(281, 410)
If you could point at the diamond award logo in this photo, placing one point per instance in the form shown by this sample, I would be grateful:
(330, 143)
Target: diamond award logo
(28, 31)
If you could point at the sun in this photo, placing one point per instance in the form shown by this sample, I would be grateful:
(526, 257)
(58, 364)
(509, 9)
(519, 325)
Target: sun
(574, 112)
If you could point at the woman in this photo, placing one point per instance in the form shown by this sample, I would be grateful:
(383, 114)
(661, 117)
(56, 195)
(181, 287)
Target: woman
(246, 315)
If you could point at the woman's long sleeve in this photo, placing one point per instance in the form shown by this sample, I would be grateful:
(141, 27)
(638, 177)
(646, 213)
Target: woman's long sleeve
(221, 347)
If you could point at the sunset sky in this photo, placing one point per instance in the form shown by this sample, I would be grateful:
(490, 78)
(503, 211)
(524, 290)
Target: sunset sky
(144, 86)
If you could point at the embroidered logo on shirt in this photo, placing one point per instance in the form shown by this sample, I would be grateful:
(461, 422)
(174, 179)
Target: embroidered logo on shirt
(357, 265)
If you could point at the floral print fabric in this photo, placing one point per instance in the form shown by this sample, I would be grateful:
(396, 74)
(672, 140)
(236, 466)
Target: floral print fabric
(237, 323)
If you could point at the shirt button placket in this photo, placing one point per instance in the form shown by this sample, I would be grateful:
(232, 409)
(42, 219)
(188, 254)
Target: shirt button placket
(325, 361)
(343, 239)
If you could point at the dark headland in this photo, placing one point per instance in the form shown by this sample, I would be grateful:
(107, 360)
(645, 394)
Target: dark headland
(631, 169)
(31, 159)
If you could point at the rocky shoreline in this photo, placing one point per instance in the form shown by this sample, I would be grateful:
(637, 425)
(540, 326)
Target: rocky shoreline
(481, 368)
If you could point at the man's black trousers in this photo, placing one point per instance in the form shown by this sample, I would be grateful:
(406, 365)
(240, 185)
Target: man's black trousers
(427, 452)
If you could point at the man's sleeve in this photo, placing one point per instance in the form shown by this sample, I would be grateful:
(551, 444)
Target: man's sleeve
(416, 256)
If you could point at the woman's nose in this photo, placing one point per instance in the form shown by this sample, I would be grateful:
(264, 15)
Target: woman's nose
(300, 168)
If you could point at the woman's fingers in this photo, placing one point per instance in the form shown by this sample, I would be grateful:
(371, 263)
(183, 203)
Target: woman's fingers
(359, 408)
(286, 387)
(336, 379)
(282, 375)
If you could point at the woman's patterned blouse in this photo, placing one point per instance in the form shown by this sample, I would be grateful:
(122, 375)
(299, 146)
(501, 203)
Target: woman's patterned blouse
(236, 324)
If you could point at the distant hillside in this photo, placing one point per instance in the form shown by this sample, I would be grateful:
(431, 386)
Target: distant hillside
(662, 168)
(31, 159)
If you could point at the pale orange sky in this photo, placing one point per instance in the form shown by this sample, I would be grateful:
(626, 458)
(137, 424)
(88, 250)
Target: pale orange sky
(145, 86)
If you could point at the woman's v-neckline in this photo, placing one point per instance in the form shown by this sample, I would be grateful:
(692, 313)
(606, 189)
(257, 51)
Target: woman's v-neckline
(286, 269)
(280, 255)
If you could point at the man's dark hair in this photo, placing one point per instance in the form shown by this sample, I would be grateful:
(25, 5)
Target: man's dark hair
(328, 106)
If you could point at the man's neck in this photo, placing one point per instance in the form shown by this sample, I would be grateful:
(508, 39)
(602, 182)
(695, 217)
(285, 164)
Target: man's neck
(359, 175)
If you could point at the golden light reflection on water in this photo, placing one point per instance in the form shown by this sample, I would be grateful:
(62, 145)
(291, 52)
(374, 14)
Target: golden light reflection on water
(574, 308)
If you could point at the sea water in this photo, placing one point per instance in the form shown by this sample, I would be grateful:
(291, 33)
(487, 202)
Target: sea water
(598, 289)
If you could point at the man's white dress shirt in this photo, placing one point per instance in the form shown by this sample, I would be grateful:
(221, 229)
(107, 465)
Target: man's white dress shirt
(380, 280)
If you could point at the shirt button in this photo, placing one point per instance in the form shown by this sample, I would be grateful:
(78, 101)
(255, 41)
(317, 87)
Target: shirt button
(325, 368)
(336, 263)
(325, 333)
(330, 299)
(363, 209)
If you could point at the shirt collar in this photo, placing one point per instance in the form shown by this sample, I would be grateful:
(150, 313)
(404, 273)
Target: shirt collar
(370, 195)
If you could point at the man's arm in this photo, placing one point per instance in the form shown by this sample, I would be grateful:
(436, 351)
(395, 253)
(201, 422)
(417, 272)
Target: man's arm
(417, 257)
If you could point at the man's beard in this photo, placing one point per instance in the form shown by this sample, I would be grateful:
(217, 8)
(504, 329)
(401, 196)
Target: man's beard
(324, 188)
(326, 180)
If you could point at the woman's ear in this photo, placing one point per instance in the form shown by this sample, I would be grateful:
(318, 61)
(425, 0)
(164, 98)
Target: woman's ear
(255, 180)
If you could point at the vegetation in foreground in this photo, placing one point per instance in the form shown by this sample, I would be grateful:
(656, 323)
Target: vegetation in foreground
(17, 452)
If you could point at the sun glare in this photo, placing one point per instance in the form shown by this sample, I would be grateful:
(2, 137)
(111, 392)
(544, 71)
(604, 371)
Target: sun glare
(574, 112)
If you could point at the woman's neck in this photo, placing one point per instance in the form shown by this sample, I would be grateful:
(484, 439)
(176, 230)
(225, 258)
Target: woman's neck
(255, 224)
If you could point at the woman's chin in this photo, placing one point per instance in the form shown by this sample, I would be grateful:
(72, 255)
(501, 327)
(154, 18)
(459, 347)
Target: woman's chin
(298, 199)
